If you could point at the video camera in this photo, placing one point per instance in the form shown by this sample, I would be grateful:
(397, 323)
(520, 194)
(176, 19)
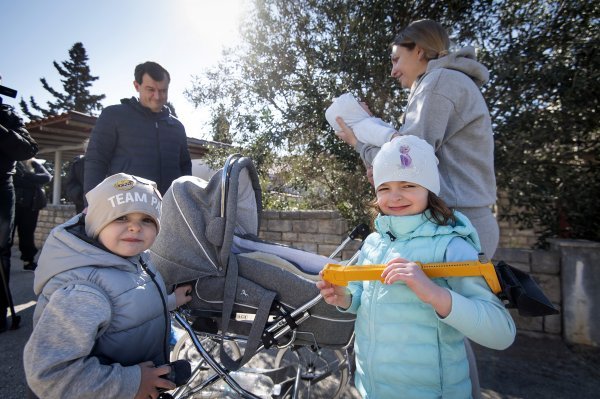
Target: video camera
(7, 91)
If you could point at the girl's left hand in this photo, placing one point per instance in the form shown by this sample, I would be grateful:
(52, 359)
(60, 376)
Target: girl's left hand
(414, 277)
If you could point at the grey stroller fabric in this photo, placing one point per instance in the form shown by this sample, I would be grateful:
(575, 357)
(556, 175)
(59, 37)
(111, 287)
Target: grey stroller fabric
(195, 244)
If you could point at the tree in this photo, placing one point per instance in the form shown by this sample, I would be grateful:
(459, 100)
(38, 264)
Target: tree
(76, 82)
(295, 56)
(544, 99)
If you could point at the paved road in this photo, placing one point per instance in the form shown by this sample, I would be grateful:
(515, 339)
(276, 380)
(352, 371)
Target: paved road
(531, 368)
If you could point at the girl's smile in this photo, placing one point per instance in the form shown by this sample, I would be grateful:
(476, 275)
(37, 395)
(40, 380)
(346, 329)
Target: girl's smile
(400, 198)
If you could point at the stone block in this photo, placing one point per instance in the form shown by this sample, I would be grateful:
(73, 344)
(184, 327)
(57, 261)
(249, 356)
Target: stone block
(527, 323)
(306, 246)
(271, 236)
(546, 262)
(337, 227)
(513, 255)
(279, 225)
(553, 324)
(305, 226)
(550, 285)
(289, 237)
(319, 238)
(326, 249)
(270, 215)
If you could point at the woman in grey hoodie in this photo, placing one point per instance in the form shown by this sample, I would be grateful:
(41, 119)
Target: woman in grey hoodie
(446, 108)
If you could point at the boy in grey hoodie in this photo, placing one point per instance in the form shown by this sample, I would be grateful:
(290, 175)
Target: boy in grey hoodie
(101, 322)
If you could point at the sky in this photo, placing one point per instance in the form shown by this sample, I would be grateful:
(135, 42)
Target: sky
(184, 36)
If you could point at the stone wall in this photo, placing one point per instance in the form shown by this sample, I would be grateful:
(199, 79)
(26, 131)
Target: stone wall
(322, 232)
(50, 217)
(319, 232)
(544, 267)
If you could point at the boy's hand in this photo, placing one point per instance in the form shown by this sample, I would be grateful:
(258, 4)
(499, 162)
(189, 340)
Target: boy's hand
(183, 294)
(414, 277)
(334, 294)
(151, 380)
(346, 134)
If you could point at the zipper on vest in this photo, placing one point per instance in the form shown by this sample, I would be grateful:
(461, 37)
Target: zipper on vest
(165, 310)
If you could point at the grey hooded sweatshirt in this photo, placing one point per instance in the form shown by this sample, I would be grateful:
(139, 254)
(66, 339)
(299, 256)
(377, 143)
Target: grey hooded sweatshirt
(446, 108)
(98, 315)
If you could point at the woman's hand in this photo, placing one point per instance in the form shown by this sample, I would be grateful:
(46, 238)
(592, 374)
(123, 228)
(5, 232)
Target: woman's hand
(334, 294)
(151, 380)
(346, 134)
(364, 106)
(183, 294)
(414, 277)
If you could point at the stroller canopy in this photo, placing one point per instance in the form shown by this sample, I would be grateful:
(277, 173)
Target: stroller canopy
(199, 220)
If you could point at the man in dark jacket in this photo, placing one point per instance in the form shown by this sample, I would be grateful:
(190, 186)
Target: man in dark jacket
(15, 145)
(139, 136)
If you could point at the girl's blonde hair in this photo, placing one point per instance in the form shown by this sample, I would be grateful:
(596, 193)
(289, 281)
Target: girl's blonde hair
(440, 212)
(427, 34)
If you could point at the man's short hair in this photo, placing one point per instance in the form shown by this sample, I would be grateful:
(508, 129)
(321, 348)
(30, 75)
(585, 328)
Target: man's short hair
(153, 69)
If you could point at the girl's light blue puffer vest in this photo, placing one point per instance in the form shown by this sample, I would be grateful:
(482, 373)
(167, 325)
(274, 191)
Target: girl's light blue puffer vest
(403, 349)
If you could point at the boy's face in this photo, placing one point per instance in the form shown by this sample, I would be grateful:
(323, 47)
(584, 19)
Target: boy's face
(129, 235)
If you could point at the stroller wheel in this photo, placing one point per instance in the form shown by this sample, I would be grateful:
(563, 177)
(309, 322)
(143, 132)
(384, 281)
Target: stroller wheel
(201, 371)
(320, 373)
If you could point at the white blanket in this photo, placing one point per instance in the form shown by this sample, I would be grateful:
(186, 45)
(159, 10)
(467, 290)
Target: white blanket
(368, 129)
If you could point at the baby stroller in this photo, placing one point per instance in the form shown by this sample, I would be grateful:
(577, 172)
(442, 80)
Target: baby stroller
(256, 320)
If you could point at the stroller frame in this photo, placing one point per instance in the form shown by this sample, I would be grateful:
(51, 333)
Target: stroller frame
(282, 327)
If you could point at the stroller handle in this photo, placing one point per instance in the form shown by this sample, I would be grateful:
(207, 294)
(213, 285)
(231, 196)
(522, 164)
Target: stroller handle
(225, 179)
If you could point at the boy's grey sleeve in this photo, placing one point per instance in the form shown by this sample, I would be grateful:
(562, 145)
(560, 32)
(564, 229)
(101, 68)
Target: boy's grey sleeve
(57, 357)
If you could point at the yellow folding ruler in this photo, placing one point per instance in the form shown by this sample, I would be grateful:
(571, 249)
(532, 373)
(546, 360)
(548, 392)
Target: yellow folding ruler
(341, 275)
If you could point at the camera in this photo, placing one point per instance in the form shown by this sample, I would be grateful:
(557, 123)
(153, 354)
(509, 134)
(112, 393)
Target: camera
(7, 91)
(181, 371)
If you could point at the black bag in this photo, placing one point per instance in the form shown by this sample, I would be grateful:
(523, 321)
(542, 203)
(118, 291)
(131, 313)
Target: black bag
(39, 199)
(520, 291)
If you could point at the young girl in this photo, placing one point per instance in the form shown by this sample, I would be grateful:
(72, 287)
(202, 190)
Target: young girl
(410, 329)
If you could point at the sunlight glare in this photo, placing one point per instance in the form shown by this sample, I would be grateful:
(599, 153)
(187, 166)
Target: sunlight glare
(215, 24)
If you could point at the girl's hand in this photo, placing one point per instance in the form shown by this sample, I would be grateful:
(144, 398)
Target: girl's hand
(346, 134)
(183, 294)
(414, 277)
(334, 294)
(151, 380)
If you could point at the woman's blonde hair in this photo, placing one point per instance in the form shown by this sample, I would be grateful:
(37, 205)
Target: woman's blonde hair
(427, 34)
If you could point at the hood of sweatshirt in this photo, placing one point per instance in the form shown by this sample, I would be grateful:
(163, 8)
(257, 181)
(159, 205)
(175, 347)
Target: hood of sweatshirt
(463, 60)
(68, 247)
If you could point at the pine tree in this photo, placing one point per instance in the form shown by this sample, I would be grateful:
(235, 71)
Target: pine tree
(76, 82)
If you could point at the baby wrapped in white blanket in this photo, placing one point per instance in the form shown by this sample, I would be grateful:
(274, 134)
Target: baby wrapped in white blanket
(368, 129)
